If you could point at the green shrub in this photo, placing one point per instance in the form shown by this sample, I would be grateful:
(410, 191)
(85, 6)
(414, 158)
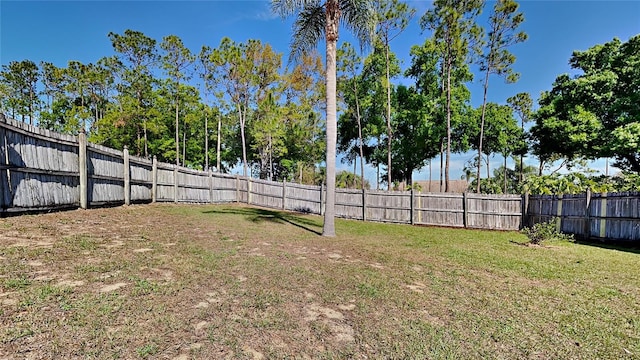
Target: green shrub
(544, 231)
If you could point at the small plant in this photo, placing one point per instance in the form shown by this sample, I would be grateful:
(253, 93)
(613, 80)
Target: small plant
(147, 350)
(545, 231)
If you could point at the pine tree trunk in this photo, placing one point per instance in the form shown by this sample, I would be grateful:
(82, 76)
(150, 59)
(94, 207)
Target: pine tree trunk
(389, 131)
(206, 142)
(218, 144)
(484, 107)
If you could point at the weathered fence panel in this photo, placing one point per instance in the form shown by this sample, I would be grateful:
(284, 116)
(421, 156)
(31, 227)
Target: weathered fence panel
(388, 206)
(165, 186)
(39, 168)
(612, 216)
(615, 216)
(105, 172)
(302, 198)
(572, 210)
(267, 193)
(141, 171)
(440, 209)
(193, 186)
(349, 204)
(223, 189)
(501, 212)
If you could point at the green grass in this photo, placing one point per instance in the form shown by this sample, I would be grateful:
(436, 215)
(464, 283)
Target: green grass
(233, 281)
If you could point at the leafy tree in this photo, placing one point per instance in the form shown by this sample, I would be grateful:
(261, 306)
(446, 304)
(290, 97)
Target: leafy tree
(304, 93)
(176, 61)
(427, 69)
(377, 112)
(349, 64)
(234, 71)
(314, 20)
(503, 22)
(267, 131)
(20, 79)
(393, 17)
(135, 56)
(501, 131)
(349, 180)
(522, 104)
(454, 31)
(418, 136)
(597, 112)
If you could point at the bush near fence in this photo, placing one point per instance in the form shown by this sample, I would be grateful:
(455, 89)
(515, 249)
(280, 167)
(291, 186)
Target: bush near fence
(44, 170)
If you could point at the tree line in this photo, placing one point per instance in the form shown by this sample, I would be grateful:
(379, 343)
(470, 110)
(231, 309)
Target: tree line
(238, 104)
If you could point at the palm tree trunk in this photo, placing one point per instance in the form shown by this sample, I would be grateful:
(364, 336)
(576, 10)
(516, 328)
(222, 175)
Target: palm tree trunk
(331, 35)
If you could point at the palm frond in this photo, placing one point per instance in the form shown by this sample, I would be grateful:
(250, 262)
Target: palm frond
(308, 29)
(359, 16)
(286, 8)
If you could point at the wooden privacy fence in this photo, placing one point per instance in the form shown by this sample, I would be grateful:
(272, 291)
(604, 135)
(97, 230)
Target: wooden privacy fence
(612, 216)
(41, 170)
(46, 170)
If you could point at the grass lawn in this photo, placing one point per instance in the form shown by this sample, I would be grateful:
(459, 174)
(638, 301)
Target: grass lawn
(231, 281)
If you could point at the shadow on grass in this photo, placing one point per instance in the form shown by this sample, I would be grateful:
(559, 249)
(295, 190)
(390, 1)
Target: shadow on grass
(626, 246)
(258, 215)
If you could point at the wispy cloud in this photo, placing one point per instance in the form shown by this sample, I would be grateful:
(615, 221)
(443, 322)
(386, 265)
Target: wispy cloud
(265, 14)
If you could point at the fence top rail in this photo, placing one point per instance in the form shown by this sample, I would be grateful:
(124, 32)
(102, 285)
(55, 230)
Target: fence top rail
(223, 175)
(353, 191)
(188, 171)
(630, 194)
(105, 150)
(140, 160)
(302, 186)
(35, 131)
(438, 195)
(507, 197)
(388, 193)
(265, 182)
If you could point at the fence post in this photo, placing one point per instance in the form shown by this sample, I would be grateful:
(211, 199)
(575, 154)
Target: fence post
(154, 180)
(559, 214)
(127, 176)
(249, 190)
(420, 205)
(175, 183)
(210, 185)
(284, 195)
(364, 204)
(603, 215)
(412, 207)
(464, 210)
(525, 210)
(587, 215)
(82, 168)
(321, 199)
(237, 188)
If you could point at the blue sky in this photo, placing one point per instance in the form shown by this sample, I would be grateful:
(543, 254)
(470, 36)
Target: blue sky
(60, 31)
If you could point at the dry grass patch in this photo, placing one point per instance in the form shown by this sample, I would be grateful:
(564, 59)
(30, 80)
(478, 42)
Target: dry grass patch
(183, 282)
